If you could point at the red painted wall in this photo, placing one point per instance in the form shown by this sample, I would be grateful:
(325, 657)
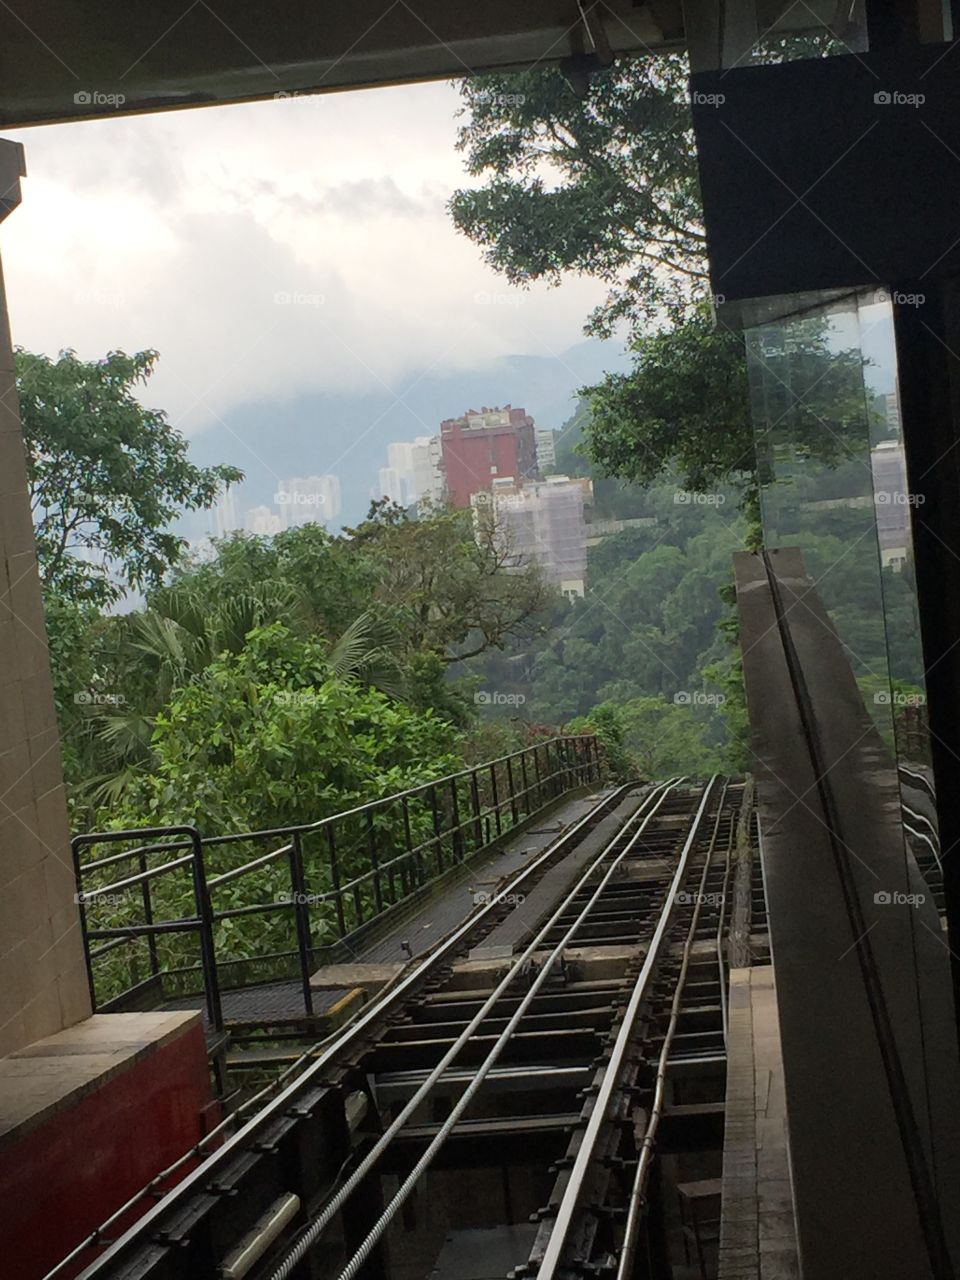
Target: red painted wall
(60, 1181)
(470, 454)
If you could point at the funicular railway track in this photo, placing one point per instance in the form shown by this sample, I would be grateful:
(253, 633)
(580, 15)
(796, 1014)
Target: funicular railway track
(511, 1093)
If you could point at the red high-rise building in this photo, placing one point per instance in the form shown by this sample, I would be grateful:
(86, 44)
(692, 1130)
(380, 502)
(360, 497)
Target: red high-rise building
(478, 448)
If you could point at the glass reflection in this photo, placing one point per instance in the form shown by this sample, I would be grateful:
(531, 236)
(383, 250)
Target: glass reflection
(824, 403)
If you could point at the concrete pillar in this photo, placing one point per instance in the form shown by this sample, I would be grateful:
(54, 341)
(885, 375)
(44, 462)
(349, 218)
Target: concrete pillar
(43, 986)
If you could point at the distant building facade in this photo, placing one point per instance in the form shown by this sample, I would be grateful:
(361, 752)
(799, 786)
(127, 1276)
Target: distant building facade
(390, 485)
(263, 522)
(891, 502)
(482, 447)
(416, 463)
(546, 449)
(542, 522)
(225, 519)
(309, 500)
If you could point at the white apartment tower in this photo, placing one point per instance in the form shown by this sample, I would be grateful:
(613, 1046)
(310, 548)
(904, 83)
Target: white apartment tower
(309, 500)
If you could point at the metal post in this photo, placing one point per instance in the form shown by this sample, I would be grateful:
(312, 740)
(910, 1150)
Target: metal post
(374, 862)
(335, 879)
(475, 801)
(437, 828)
(208, 956)
(526, 786)
(301, 915)
(148, 917)
(78, 879)
(414, 859)
(496, 797)
(512, 789)
(457, 833)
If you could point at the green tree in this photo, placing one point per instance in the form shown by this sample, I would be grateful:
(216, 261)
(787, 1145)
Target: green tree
(453, 587)
(601, 182)
(271, 736)
(106, 475)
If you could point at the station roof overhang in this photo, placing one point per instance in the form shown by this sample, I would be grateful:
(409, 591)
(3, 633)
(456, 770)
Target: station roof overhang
(63, 60)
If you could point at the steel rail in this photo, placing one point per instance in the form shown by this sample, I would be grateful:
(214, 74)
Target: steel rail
(550, 1264)
(200, 1176)
(312, 1233)
(635, 1203)
(198, 1150)
(721, 960)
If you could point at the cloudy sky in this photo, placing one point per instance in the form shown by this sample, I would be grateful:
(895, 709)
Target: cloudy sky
(267, 250)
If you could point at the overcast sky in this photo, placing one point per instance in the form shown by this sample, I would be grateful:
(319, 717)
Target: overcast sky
(267, 250)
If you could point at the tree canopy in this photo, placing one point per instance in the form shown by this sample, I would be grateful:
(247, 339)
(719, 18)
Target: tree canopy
(107, 476)
(601, 182)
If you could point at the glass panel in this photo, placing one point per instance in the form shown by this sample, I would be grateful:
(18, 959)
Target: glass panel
(823, 389)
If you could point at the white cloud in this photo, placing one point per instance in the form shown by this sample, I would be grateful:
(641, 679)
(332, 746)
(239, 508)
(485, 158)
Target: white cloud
(178, 231)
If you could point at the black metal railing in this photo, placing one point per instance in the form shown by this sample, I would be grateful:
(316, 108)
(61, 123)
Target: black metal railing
(195, 915)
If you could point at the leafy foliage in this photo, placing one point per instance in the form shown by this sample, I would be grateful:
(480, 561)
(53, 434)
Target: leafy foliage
(273, 735)
(106, 475)
(601, 182)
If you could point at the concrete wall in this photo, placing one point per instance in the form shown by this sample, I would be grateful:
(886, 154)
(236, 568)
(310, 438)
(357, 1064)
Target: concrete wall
(43, 985)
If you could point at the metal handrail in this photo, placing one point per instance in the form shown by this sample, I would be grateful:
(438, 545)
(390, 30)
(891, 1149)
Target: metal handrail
(359, 899)
(304, 828)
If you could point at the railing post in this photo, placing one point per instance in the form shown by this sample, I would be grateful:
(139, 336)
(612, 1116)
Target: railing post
(208, 955)
(458, 850)
(374, 862)
(437, 828)
(148, 917)
(536, 766)
(496, 797)
(335, 879)
(526, 786)
(81, 907)
(412, 860)
(512, 791)
(301, 915)
(475, 801)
